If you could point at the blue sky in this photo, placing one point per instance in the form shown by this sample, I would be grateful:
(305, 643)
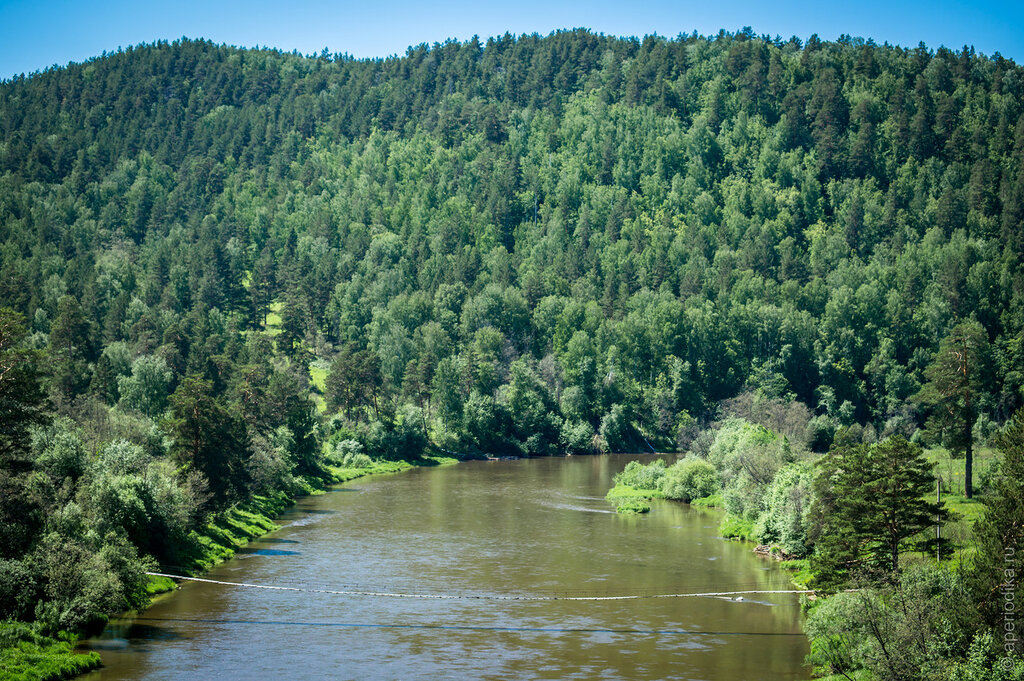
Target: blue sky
(37, 34)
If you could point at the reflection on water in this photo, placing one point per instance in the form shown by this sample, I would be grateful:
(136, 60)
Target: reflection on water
(537, 527)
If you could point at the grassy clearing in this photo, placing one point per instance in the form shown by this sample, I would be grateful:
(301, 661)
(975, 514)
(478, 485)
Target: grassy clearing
(26, 655)
(273, 325)
(159, 585)
(318, 370)
(950, 470)
(631, 500)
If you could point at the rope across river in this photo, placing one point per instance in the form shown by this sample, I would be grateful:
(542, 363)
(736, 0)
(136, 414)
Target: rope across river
(478, 597)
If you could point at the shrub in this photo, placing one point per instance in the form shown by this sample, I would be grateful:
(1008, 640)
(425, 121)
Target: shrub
(578, 436)
(617, 429)
(787, 502)
(688, 479)
(641, 477)
(349, 454)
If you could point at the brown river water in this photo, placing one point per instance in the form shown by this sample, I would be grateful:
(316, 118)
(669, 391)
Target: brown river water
(536, 527)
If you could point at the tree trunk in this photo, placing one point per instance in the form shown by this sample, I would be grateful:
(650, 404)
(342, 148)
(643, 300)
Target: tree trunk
(969, 462)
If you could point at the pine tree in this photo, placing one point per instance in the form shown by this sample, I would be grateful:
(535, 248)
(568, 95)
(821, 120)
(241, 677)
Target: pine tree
(954, 389)
(870, 503)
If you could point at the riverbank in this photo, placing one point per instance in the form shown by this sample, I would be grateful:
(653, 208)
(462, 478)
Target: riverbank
(233, 529)
(27, 655)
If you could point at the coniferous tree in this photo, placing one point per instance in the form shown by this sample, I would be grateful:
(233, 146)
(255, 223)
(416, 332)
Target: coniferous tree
(870, 503)
(954, 391)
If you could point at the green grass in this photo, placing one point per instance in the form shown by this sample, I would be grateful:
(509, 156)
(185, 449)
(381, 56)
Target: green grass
(801, 569)
(951, 472)
(318, 370)
(712, 501)
(273, 325)
(25, 655)
(159, 585)
(632, 506)
(231, 530)
(734, 527)
(340, 474)
(631, 500)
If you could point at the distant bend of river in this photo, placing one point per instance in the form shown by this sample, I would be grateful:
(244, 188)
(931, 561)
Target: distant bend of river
(530, 527)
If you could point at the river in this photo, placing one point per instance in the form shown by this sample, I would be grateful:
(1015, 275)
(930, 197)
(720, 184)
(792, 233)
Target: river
(530, 527)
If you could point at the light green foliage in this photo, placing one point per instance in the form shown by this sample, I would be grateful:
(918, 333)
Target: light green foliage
(146, 389)
(349, 454)
(119, 355)
(747, 457)
(688, 479)
(617, 429)
(59, 450)
(736, 527)
(270, 463)
(85, 580)
(640, 476)
(899, 632)
(532, 409)
(578, 437)
(988, 661)
(785, 518)
(629, 499)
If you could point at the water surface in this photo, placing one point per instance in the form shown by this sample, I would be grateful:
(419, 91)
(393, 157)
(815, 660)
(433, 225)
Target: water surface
(537, 527)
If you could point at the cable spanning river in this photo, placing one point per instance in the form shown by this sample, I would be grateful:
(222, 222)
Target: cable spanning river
(536, 527)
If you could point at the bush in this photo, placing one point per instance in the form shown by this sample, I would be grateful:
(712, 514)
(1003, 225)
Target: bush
(349, 454)
(17, 589)
(747, 457)
(26, 655)
(578, 437)
(641, 477)
(689, 479)
(787, 503)
(617, 429)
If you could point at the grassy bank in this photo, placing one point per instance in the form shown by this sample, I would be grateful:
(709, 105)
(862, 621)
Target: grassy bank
(629, 499)
(244, 522)
(26, 655)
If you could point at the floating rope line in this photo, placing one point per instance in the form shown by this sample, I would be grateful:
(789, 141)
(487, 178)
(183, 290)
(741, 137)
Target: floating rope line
(480, 597)
(466, 627)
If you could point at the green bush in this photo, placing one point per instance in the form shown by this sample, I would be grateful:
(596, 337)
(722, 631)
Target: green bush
(688, 479)
(578, 437)
(641, 477)
(617, 429)
(785, 518)
(349, 454)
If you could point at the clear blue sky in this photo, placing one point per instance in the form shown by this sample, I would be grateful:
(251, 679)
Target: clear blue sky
(35, 34)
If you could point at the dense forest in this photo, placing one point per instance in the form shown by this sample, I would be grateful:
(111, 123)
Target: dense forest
(224, 272)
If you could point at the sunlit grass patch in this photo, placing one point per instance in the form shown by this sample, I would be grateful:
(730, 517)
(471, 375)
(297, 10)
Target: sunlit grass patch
(711, 501)
(273, 325)
(631, 500)
(26, 655)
